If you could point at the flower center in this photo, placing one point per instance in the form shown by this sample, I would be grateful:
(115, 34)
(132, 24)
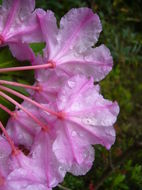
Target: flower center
(53, 64)
(61, 115)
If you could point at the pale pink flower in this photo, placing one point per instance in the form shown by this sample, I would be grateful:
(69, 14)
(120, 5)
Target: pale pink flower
(19, 24)
(18, 171)
(25, 175)
(85, 118)
(69, 48)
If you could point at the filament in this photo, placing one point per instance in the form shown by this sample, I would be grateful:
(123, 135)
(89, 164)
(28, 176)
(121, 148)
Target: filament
(29, 100)
(19, 85)
(6, 110)
(25, 110)
(34, 67)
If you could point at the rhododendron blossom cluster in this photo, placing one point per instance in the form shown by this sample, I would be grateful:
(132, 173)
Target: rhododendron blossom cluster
(65, 113)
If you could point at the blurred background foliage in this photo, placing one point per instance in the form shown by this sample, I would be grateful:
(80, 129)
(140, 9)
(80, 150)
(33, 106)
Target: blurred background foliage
(121, 167)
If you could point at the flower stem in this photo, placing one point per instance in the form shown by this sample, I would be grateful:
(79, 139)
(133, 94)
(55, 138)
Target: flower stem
(19, 85)
(34, 67)
(43, 126)
(15, 151)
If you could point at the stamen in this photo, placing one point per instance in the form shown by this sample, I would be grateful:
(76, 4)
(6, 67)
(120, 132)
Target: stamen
(34, 67)
(20, 85)
(7, 110)
(15, 151)
(25, 110)
(30, 100)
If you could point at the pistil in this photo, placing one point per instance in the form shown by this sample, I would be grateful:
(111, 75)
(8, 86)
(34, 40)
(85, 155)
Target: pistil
(20, 85)
(34, 67)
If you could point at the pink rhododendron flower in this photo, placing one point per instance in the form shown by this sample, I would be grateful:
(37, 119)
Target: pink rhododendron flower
(26, 176)
(18, 171)
(19, 24)
(69, 48)
(86, 118)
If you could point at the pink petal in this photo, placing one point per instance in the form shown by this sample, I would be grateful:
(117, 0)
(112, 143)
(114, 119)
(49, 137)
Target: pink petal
(51, 171)
(96, 62)
(22, 51)
(84, 106)
(71, 90)
(23, 129)
(49, 79)
(5, 151)
(49, 29)
(25, 175)
(27, 31)
(27, 5)
(72, 150)
(79, 30)
(18, 22)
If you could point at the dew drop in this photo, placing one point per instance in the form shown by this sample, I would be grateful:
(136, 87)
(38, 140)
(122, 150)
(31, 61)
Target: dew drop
(110, 132)
(74, 133)
(85, 154)
(89, 121)
(61, 169)
(71, 84)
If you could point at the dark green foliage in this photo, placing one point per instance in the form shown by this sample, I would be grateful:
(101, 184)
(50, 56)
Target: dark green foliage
(120, 168)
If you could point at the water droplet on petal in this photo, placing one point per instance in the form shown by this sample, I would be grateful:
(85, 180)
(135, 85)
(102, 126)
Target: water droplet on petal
(74, 133)
(110, 132)
(85, 154)
(71, 84)
(61, 170)
(90, 121)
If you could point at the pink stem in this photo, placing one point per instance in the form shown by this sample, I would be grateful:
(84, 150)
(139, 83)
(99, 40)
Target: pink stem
(25, 110)
(43, 66)
(19, 84)
(6, 110)
(30, 100)
(15, 151)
